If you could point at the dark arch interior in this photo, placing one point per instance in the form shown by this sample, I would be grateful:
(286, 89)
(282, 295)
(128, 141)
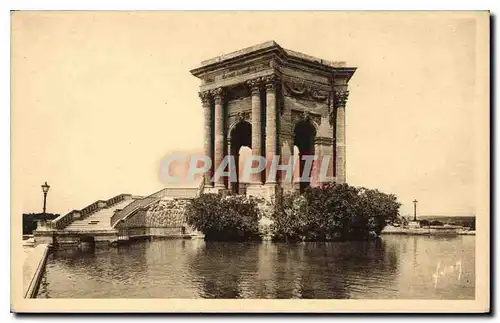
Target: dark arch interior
(241, 135)
(87, 239)
(304, 134)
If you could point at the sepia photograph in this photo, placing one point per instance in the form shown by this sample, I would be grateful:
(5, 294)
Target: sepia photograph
(256, 161)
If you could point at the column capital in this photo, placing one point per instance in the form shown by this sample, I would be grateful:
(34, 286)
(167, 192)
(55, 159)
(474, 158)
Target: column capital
(218, 94)
(270, 82)
(340, 98)
(255, 85)
(205, 97)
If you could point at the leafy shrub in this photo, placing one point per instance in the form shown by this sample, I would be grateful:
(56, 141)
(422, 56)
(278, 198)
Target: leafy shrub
(229, 218)
(289, 218)
(333, 212)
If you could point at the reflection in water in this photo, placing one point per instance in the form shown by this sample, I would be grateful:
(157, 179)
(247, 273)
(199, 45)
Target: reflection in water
(393, 267)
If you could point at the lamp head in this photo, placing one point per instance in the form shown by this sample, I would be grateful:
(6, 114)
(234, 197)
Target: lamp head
(45, 187)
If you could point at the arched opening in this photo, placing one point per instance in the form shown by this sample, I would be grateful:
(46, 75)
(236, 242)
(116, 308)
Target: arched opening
(241, 144)
(304, 134)
(87, 243)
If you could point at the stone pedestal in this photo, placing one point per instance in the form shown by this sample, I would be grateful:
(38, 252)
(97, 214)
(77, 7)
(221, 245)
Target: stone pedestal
(267, 192)
(256, 190)
(213, 190)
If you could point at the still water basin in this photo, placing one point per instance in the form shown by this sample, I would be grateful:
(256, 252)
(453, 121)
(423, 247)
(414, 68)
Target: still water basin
(393, 267)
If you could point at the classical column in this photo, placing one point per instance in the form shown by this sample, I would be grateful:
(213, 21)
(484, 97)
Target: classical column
(207, 131)
(316, 167)
(270, 122)
(340, 99)
(230, 153)
(256, 125)
(218, 133)
(286, 158)
(327, 150)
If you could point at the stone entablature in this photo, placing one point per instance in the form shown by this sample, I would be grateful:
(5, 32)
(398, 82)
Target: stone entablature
(273, 90)
(265, 59)
(268, 44)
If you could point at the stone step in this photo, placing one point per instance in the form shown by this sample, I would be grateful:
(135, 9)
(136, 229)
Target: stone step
(99, 220)
(89, 226)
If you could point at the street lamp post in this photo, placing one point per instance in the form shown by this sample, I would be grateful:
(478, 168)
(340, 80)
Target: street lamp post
(415, 210)
(45, 190)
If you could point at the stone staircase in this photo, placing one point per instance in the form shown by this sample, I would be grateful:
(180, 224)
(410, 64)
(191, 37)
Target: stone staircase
(168, 193)
(108, 220)
(98, 221)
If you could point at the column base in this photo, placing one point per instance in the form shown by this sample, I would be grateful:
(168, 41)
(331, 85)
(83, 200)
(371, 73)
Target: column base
(266, 191)
(213, 190)
(340, 180)
(325, 183)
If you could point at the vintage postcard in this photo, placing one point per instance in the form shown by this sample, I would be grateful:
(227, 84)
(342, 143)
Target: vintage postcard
(250, 161)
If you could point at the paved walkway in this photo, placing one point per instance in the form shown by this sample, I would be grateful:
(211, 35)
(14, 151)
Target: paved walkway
(33, 267)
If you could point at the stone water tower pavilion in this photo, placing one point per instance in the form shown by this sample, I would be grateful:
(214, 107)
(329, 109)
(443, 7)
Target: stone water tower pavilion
(271, 99)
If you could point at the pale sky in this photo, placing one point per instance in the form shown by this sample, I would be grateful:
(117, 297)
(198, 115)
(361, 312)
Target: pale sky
(98, 98)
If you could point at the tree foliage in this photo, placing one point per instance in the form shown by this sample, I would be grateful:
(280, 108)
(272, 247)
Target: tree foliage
(289, 218)
(333, 212)
(325, 213)
(219, 217)
(30, 220)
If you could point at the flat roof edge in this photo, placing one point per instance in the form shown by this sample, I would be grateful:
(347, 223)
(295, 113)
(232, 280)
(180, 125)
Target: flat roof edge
(265, 47)
(241, 52)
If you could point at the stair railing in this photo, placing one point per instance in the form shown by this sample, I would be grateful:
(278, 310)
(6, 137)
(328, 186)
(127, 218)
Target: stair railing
(64, 220)
(136, 205)
(174, 192)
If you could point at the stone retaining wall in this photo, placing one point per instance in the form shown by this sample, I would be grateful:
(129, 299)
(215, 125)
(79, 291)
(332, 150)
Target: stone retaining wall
(164, 214)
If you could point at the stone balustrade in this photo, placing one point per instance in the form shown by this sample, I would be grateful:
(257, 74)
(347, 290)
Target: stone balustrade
(175, 192)
(63, 221)
(132, 215)
(131, 208)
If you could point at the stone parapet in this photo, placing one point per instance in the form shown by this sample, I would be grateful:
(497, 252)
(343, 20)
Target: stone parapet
(33, 268)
